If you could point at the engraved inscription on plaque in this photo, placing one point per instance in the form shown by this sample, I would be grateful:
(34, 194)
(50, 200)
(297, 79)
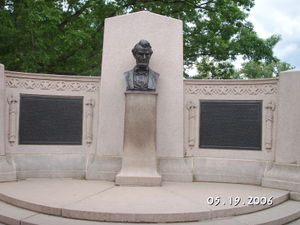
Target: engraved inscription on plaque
(231, 124)
(50, 120)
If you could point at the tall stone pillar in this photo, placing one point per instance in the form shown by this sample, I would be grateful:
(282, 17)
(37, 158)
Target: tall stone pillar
(7, 171)
(284, 172)
(288, 131)
(139, 162)
(120, 36)
(121, 33)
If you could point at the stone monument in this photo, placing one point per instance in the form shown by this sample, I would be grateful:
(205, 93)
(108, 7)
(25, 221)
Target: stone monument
(121, 34)
(139, 161)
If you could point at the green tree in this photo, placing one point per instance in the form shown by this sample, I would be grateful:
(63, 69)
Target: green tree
(65, 36)
(254, 69)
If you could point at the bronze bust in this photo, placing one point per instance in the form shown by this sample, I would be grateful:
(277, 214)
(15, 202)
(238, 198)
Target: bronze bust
(141, 77)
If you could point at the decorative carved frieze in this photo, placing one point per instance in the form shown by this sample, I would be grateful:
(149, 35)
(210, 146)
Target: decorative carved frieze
(89, 120)
(191, 107)
(270, 108)
(12, 119)
(259, 89)
(57, 85)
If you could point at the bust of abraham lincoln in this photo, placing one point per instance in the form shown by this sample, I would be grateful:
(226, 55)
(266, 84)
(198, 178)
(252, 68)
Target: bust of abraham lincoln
(141, 77)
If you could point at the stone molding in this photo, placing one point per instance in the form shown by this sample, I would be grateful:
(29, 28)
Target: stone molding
(89, 120)
(12, 119)
(231, 87)
(270, 108)
(191, 107)
(51, 82)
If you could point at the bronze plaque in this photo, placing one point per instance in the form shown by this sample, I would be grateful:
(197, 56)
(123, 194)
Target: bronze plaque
(50, 120)
(231, 124)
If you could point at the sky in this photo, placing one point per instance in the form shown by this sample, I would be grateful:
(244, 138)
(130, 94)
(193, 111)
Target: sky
(279, 17)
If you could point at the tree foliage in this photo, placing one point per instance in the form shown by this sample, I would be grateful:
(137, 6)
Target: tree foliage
(65, 36)
(255, 70)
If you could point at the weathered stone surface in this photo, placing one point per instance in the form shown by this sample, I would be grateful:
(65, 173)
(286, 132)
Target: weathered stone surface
(228, 170)
(7, 170)
(171, 202)
(50, 165)
(176, 169)
(283, 176)
(139, 160)
(103, 168)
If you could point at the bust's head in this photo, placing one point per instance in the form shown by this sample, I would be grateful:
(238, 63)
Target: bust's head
(142, 53)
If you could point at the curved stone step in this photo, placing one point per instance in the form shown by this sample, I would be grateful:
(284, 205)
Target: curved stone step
(102, 201)
(280, 214)
(295, 222)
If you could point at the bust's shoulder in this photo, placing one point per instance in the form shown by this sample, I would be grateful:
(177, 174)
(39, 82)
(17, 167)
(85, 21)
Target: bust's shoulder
(153, 73)
(128, 73)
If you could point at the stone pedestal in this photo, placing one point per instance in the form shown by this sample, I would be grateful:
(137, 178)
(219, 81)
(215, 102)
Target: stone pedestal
(139, 162)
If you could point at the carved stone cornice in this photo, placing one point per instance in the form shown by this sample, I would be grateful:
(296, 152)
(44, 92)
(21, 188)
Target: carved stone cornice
(233, 87)
(51, 82)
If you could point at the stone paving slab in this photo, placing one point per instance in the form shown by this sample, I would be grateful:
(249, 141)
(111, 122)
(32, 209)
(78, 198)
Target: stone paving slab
(229, 194)
(295, 222)
(12, 215)
(281, 214)
(49, 195)
(103, 201)
(53, 220)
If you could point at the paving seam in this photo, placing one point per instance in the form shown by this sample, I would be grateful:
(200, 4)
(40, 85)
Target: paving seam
(146, 222)
(190, 200)
(87, 197)
(33, 206)
(21, 219)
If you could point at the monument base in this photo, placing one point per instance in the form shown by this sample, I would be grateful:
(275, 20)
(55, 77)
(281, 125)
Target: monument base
(7, 170)
(139, 162)
(138, 180)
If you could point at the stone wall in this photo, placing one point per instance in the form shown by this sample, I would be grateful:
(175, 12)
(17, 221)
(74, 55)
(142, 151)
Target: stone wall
(275, 165)
(50, 160)
(224, 165)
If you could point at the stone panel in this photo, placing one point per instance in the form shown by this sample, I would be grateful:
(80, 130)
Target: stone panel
(176, 169)
(283, 176)
(103, 168)
(50, 165)
(260, 90)
(228, 170)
